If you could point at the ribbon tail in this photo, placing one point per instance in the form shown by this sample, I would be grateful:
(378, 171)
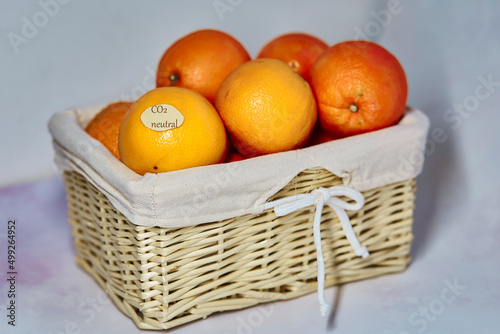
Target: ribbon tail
(324, 306)
(349, 232)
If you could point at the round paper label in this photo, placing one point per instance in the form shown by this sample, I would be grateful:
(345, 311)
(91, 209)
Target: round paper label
(162, 117)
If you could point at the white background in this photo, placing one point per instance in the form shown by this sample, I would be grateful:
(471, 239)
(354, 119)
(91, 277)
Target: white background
(95, 52)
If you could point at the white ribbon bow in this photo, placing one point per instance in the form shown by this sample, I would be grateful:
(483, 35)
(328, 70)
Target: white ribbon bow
(320, 197)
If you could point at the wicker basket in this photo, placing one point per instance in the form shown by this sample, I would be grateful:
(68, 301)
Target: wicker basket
(165, 277)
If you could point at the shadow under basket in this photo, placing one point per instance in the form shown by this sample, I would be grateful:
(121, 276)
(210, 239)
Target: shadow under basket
(165, 277)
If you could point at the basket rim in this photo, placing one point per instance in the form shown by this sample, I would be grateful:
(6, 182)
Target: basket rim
(218, 192)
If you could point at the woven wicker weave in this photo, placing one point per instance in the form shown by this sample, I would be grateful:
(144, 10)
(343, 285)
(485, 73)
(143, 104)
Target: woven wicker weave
(165, 277)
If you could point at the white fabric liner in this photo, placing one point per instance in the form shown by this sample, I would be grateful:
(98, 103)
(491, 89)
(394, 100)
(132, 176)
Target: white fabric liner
(212, 193)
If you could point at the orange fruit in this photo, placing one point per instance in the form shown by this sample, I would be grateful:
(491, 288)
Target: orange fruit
(360, 87)
(105, 125)
(266, 107)
(319, 136)
(233, 155)
(171, 128)
(298, 50)
(200, 61)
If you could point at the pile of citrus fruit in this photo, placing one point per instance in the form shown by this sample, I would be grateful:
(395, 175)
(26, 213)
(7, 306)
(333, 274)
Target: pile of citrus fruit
(214, 104)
